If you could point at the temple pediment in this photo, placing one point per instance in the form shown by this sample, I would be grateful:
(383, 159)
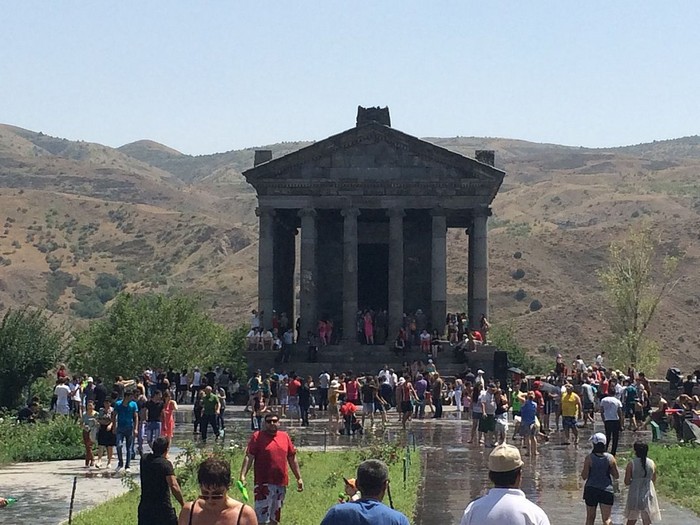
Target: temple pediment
(378, 160)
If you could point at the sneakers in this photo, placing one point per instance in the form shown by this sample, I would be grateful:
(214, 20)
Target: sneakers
(98, 465)
(127, 471)
(119, 467)
(109, 465)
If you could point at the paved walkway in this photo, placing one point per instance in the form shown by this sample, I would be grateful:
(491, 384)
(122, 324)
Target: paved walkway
(455, 474)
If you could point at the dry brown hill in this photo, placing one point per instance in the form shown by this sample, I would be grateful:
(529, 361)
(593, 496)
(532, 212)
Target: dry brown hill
(153, 217)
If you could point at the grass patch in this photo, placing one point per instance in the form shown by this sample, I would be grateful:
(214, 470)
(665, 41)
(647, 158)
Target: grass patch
(51, 440)
(322, 473)
(677, 467)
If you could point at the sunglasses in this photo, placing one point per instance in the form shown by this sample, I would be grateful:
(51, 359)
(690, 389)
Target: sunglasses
(272, 421)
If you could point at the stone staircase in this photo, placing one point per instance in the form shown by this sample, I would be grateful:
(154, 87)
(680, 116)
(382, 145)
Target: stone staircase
(363, 359)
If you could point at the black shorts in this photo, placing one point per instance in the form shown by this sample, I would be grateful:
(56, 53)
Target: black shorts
(594, 496)
(406, 407)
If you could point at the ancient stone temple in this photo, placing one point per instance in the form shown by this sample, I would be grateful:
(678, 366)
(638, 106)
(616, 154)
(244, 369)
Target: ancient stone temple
(372, 206)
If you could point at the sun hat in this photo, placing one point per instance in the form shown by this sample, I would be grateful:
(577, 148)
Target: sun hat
(89, 380)
(401, 381)
(599, 437)
(505, 458)
(335, 384)
(480, 371)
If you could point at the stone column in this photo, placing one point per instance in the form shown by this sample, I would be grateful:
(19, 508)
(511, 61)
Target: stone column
(396, 308)
(307, 301)
(266, 264)
(439, 270)
(350, 273)
(470, 274)
(480, 267)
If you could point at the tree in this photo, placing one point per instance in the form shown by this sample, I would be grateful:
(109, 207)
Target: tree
(636, 280)
(141, 331)
(30, 345)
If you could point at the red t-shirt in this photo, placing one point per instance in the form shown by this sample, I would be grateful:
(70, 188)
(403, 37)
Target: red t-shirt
(294, 387)
(539, 398)
(351, 390)
(271, 454)
(348, 409)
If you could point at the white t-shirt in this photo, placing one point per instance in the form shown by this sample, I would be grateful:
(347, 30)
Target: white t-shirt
(489, 402)
(324, 380)
(62, 394)
(610, 405)
(75, 387)
(504, 506)
(197, 379)
(580, 365)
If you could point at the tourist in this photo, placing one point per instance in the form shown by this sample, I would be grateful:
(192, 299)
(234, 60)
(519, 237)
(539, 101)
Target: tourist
(106, 437)
(196, 385)
(368, 327)
(158, 481)
(293, 388)
(210, 412)
(640, 477)
(287, 343)
(382, 401)
(305, 400)
(457, 396)
(63, 394)
(214, 506)
(505, 503)
(436, 393)
(167, 427)
(487, 423)
(182, 386)
(269, 451)
(405, 397)
(259, 411)
(283, 394)
(629, 402)
(373, 482)
(352, 390)
(333, 391)
(501, 428)
(324, 381)
(599, 470)
(528, 422)
(369, 392)
(125, 419)
(588, 401)
(90, 428)
(571, 411)
(76, 398)
(611, 409)
(477, 413)
(141, 401)
(197, 411)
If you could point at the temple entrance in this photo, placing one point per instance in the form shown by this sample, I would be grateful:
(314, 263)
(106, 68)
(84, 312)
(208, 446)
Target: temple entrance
(373, 276)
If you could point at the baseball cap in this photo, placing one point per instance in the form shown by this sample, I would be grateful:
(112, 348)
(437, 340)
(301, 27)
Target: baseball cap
(505, 458)
(480, 371)
(599, 437)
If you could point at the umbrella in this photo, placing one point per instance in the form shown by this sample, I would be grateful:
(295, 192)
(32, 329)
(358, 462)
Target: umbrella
(550, 388)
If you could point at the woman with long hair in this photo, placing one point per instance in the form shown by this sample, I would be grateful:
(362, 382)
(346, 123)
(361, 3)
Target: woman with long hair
(599, 471)
(640, 476)
(168, 416)
(476, 411)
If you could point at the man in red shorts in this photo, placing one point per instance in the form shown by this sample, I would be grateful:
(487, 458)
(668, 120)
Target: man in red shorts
(270, 450)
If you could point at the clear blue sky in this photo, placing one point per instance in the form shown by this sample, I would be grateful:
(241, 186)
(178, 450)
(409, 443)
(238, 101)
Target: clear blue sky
(204, 77)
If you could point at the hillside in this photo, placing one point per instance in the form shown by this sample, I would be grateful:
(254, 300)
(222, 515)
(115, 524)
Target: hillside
(78, 215)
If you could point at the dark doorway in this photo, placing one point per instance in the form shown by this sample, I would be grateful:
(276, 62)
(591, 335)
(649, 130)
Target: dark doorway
(373, 276)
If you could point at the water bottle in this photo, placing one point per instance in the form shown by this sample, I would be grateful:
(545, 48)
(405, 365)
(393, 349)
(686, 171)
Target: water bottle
(11, 501)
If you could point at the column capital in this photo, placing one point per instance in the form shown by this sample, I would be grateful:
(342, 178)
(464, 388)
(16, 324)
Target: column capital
(396, 212)
(485, 211)
(307, 212)
(264, 210)
(350, 212)
(438, 212)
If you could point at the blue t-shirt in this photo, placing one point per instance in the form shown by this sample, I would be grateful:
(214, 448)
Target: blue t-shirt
(363, 512)
(125, 413)
(528, 413)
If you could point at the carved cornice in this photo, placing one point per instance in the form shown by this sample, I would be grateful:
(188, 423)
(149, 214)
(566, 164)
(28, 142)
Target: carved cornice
(350, 212)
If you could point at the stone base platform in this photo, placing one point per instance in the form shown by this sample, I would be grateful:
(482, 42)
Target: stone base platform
(361, 359)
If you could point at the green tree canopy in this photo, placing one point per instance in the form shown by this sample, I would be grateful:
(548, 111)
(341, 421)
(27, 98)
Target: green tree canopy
(636, 280)
(30, 345)
(152, 330)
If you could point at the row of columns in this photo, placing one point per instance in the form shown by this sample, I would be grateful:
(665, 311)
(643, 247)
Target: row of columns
(477, 271)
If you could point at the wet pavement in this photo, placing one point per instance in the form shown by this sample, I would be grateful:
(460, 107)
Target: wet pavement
(455, 473)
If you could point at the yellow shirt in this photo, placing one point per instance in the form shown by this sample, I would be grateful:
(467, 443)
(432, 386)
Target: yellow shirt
(569, 404)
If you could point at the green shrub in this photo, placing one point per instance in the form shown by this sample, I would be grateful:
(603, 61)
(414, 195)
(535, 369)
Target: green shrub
(51, 440)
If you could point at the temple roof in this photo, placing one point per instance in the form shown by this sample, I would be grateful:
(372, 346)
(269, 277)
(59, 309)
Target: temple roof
(375, 159)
